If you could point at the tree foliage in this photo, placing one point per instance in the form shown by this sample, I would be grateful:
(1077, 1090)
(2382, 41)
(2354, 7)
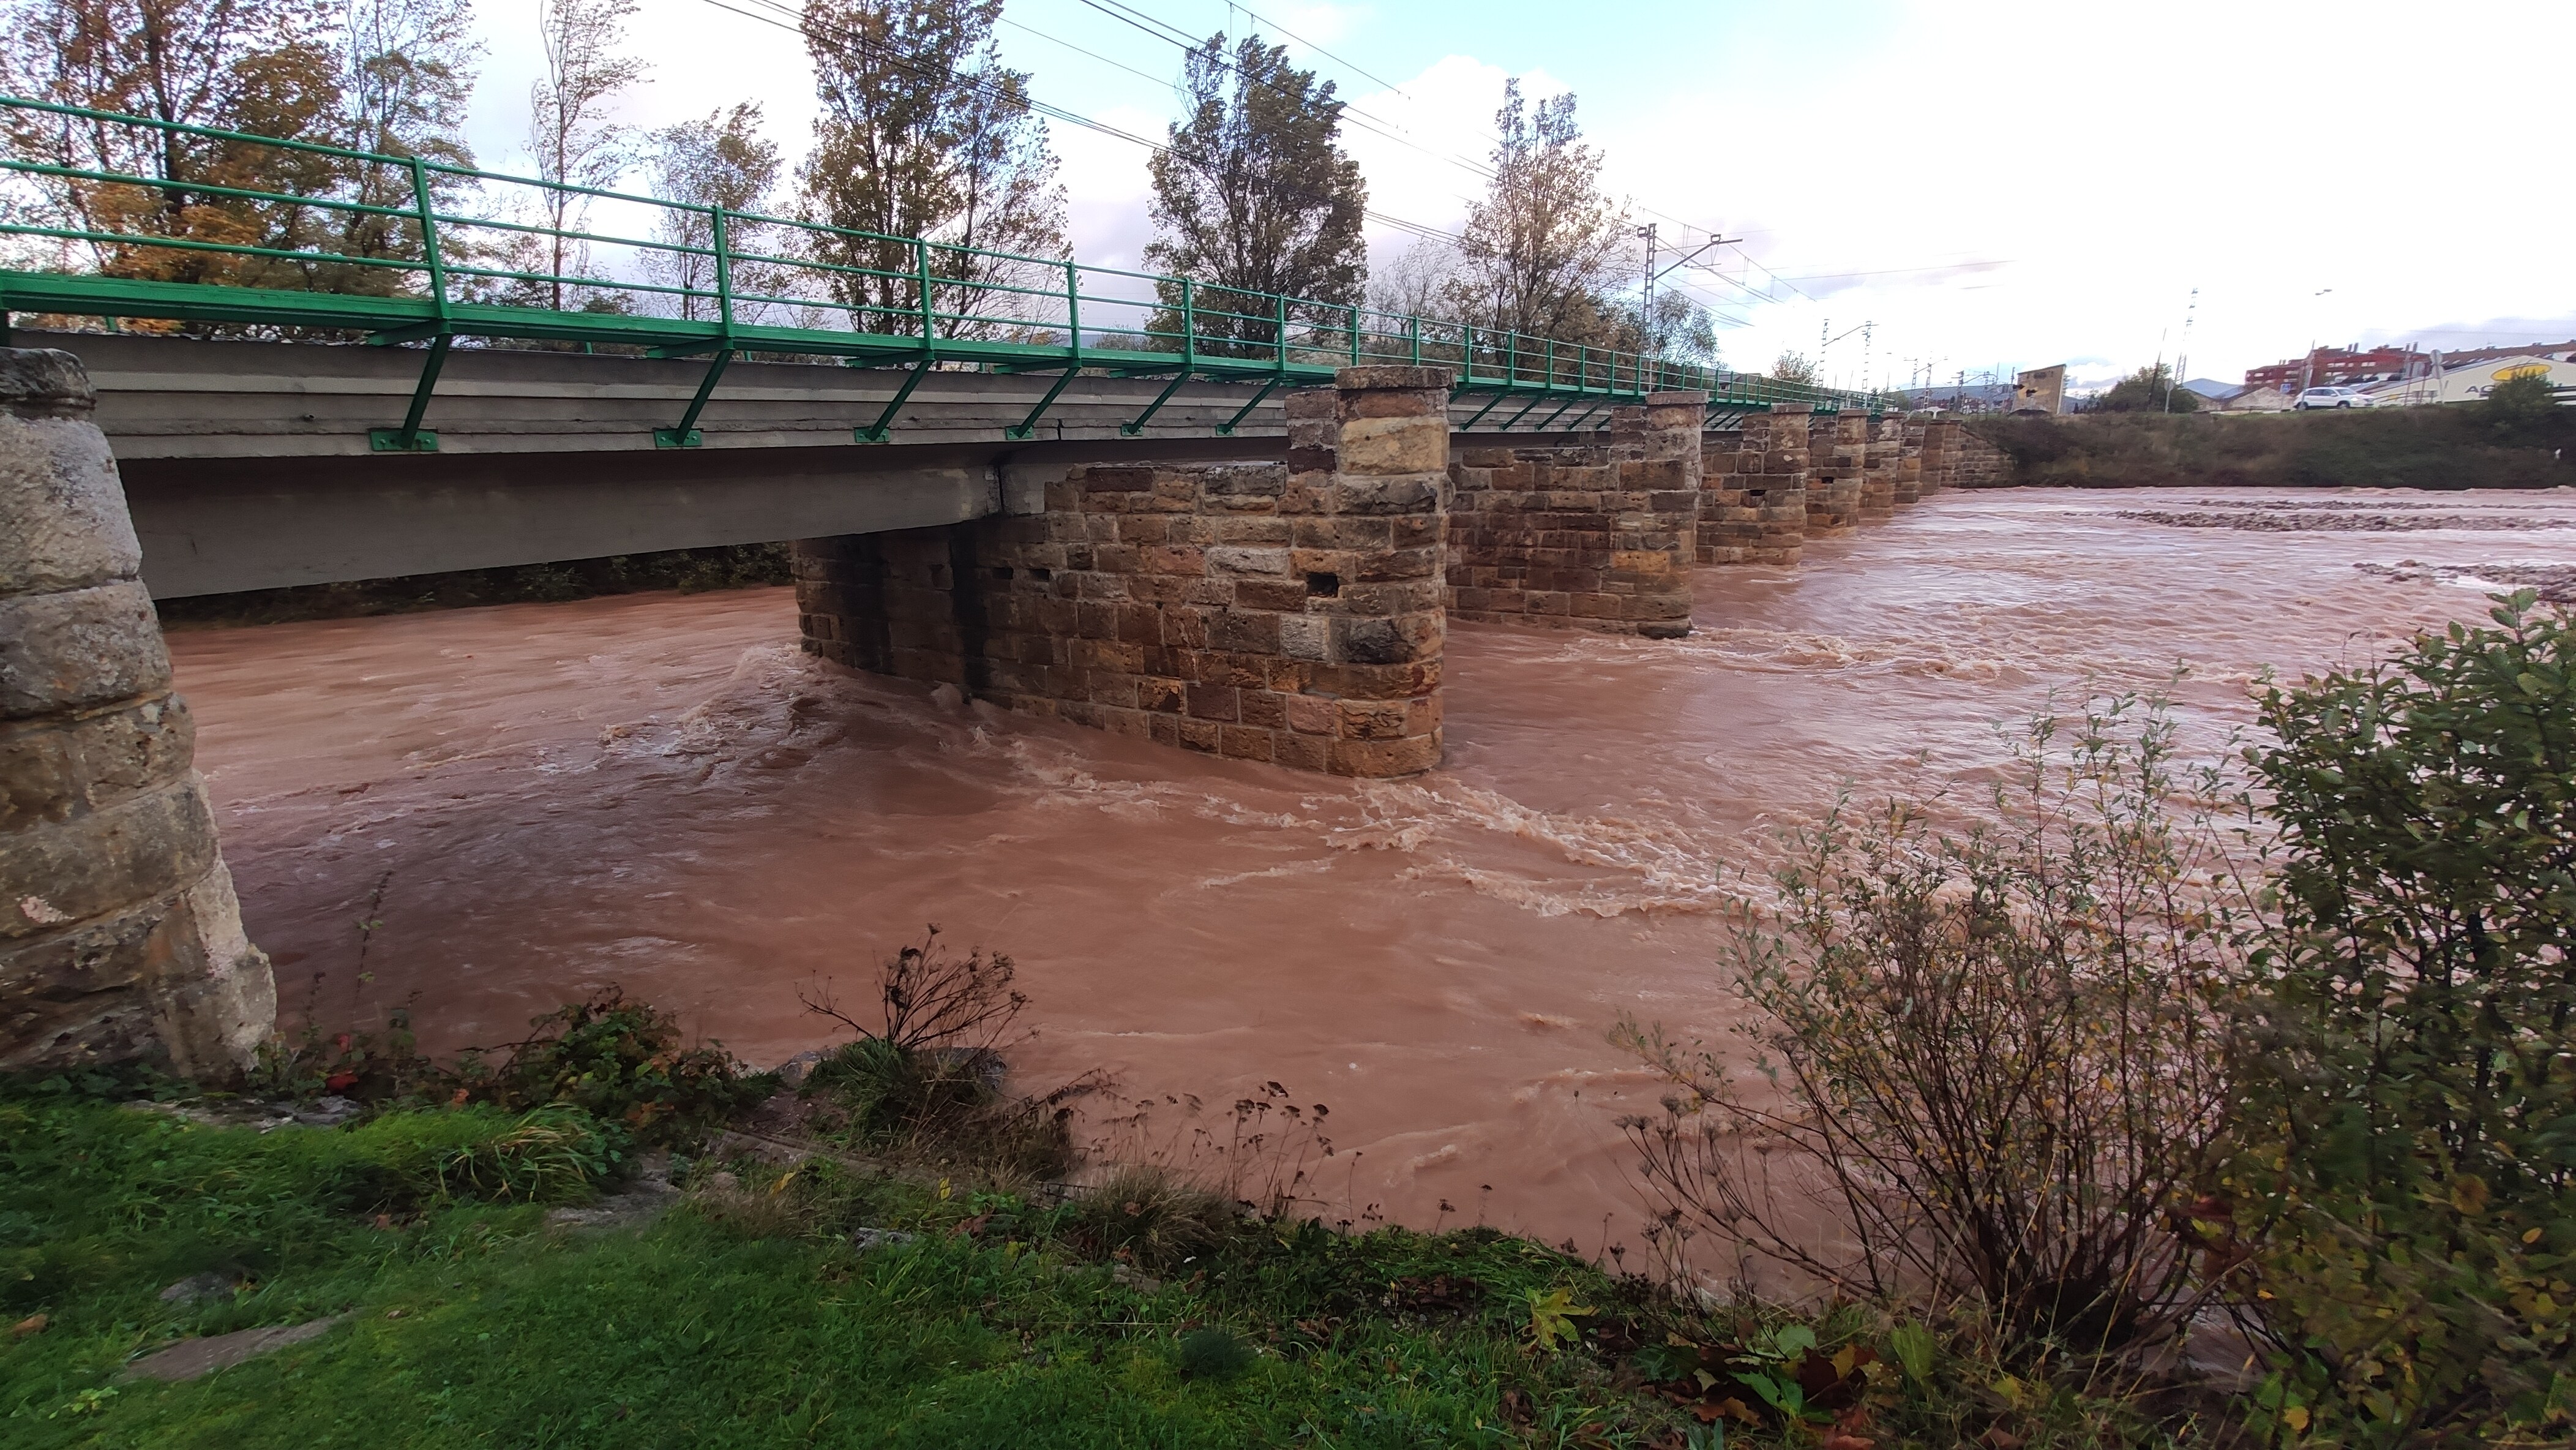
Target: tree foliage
(2151, 389)
(1253, 192)
(569, 132)
(2411, 1147)
(389, 76)
(721, 161)
(924, 133)
(1544, 246)
(1793, 367)
(2524, 406)
(1997, 1050)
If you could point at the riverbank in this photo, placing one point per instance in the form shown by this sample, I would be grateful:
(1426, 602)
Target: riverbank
(737, 1294)
(2447, 448)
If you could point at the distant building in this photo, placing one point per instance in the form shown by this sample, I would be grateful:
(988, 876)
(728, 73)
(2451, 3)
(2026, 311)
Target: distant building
(2337, 367)
(2468, 384)
(2213, 393)
(2040, 391)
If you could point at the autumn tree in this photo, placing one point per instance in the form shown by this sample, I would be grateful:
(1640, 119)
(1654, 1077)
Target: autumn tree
(720, 162)
(1253, 193)
(1545, 247)
(924, 133)
(575, 143)
(1793, 367)
(224, 64)
(385, 76)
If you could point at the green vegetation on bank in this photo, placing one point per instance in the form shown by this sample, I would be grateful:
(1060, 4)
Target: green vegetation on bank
(2508, 441)
(731, 566)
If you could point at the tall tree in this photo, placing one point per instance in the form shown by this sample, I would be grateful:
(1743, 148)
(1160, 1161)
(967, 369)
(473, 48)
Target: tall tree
(926, 134)
(568, 126)
(1543, 249)
(1253, 192)
(407, 71)
(721, 161)
(223, 64)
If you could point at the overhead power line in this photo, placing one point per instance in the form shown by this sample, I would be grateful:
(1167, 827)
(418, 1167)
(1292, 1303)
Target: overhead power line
(801, 24)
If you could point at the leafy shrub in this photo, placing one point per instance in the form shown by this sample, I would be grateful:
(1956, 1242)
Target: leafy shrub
(2409, 1176)
(619, 1061)
(925, 1077)
(1996, 1051)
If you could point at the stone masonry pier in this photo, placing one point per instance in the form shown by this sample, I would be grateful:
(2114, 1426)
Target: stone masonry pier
(1598, 537)
(1288, 613)
(119, 934)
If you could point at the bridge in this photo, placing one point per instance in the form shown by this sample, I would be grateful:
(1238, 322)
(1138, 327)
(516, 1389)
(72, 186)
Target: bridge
(781, 378)
(1233, 523)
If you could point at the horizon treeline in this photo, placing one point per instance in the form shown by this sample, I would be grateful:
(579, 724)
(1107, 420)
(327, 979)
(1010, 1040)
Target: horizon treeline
(922, 131)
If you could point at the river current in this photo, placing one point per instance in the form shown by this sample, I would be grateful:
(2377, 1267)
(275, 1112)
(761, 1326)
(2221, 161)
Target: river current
(658, 791)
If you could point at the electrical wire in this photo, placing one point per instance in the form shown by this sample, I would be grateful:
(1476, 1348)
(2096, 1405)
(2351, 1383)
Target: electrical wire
(803, 25)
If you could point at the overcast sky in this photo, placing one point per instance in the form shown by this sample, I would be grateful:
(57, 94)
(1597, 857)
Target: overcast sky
(1986, 186)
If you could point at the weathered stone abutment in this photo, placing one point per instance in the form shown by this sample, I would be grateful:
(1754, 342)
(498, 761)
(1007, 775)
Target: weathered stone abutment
(1289, 613)
(1753, 506)
(119, 934)
(1593, 537)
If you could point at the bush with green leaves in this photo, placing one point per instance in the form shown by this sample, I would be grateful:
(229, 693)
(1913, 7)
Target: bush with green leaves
(622, 1062)
(2408, 1184)
(1995, 1049)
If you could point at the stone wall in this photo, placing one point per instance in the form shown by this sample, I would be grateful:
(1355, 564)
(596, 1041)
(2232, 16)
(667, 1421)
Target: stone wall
(1289, 613)
(1981, 464)
(1909, 462)
(1837, 454)
(1753, 505)
(119, 934)
(1940, 455)
(1591, 537)
(1886, 447)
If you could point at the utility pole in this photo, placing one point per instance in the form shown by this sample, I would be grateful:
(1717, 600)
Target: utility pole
(1646, 294)
(2182, 357)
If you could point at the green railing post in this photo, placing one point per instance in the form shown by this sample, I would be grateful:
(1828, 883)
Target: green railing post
(1073, 308)
(1467, 354)
(1279, 312)
(1355, 334)
(409, 438)
(1413, 327)
(929, 313)
(724, 275)
(1189, 328)
(686, 435)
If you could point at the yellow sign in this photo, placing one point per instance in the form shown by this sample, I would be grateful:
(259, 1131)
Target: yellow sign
(2522, 370)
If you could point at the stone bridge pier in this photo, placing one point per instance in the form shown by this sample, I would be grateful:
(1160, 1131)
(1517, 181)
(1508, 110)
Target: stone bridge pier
(1283, 612)
(1598, 536)
(119, 934)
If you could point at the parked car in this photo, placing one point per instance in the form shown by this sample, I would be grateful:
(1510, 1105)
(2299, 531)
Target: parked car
(2332, 398)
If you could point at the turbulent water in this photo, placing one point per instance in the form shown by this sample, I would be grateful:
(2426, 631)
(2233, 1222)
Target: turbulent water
(658, 791)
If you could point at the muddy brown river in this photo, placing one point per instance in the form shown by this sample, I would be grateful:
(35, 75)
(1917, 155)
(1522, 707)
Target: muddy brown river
(659, 791)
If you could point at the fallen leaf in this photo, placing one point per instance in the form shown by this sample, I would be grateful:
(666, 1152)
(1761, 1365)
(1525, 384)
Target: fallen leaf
(28, 1325)
(2000, 1438)
(1845, 1442)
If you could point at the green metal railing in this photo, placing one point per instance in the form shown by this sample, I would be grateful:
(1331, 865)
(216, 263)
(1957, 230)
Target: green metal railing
(400, 250)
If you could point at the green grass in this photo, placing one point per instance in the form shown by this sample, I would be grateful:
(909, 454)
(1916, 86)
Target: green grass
(472, 1322)
(745, 1315)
